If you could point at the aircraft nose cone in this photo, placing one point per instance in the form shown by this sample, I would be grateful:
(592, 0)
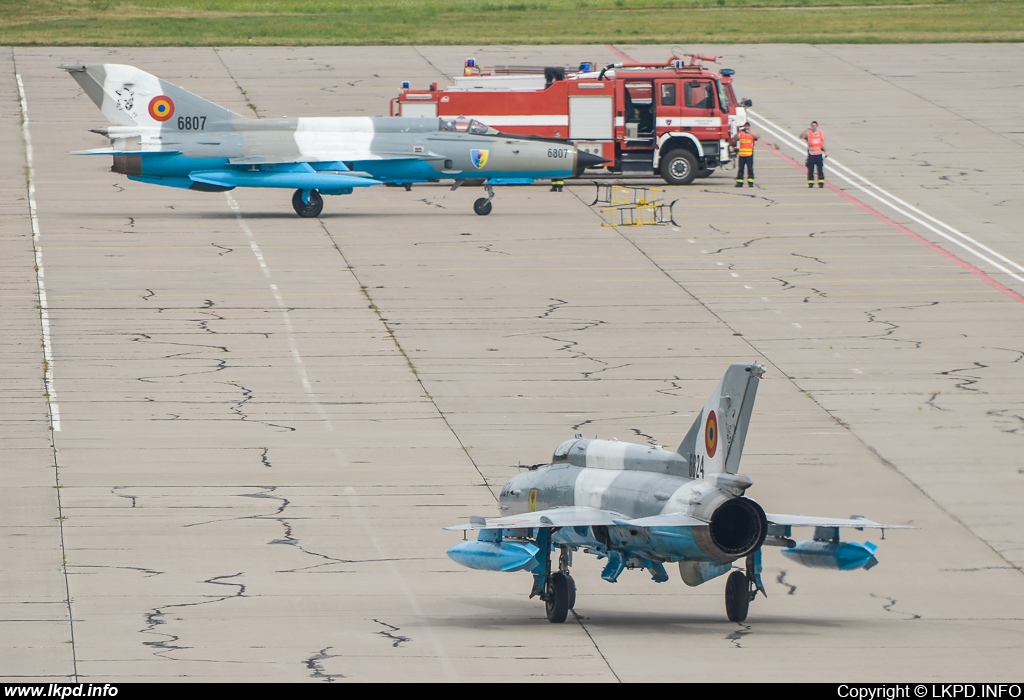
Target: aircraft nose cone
(588, 160)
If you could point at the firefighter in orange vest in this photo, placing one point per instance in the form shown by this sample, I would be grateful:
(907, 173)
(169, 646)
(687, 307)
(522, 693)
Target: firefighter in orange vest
(816, 154)
(745, 142)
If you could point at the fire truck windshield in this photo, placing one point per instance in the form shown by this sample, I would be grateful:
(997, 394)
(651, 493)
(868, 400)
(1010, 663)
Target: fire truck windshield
(466, 125)
(725, 96)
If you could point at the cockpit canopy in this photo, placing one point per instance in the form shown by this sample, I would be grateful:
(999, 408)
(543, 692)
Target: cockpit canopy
(465, 125)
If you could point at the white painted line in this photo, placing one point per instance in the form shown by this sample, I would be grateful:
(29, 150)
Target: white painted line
(44, 307)
(292, 344)
(940, 228)
(439, 651)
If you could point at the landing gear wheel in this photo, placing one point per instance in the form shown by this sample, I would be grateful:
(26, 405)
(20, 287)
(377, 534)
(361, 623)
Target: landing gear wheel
(737, 596)
(705, 172)
(482, 206)
(571, 583)
(556, 597)
(311, 210)
(679, 167)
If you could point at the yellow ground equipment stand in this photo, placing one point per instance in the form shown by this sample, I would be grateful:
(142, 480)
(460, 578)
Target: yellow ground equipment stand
(633, 206)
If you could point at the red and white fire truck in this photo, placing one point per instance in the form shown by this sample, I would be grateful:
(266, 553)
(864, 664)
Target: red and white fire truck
(676, 119)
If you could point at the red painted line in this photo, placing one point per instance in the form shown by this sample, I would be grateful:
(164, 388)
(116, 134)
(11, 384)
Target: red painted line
(614, 49)
(980, 274)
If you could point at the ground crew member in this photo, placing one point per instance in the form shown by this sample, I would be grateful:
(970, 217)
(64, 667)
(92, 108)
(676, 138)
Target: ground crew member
(745, 141)
(557, 185)
(816, 154)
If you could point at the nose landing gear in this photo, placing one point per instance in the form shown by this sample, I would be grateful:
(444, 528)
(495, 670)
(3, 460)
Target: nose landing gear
(483, 205)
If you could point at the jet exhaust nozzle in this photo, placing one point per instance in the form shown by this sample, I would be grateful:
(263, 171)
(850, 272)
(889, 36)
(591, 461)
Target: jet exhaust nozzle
(738, 527)
(843, 556)
(495, 556)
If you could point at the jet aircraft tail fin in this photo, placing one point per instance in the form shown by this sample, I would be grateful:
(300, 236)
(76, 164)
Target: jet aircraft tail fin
(714, 443)
(128, 96)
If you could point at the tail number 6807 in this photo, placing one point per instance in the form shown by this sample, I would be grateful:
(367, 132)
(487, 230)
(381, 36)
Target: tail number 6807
(191, 123)
(558, 152)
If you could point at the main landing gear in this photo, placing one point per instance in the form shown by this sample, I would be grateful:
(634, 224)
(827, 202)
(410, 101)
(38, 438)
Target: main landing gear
(307, 203)
(556, 588)
(741, 587)
(482, 206)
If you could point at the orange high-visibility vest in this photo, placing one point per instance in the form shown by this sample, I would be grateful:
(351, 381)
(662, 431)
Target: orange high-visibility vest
(746, 143)
(815, 143)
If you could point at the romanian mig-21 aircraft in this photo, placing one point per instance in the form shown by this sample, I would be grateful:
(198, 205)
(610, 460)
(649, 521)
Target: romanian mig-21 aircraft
(640, 507)
(164, 135)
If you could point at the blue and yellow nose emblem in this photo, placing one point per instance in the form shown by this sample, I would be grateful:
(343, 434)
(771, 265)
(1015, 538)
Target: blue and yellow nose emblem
(479, 157)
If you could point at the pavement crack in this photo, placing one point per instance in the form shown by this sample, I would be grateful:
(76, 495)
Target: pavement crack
(931, 402)
(890, 606)
(809, 257)
(224, 249)
(650, 438)
(389, 633)
(781, 580)
(736, 636)
(489, 248)
(124, 495)
(149, 295)
(966, 381)
(314, 664)
(155, 617)
(746, 244)
(238, 408)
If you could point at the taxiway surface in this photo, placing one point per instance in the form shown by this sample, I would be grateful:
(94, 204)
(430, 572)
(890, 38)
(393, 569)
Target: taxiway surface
(231, 436)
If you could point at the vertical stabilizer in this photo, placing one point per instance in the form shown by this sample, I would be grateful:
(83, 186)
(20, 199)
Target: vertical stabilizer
(128, 96)
(716, 438)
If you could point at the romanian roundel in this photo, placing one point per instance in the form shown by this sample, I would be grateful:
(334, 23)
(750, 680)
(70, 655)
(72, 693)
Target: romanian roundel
(161, 108)
(711, 434)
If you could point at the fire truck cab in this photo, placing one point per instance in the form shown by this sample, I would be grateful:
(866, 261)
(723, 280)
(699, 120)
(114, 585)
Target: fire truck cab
(672, 119)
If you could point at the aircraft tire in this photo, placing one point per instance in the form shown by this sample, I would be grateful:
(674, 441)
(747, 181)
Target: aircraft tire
(737, 596)
(311, 210)
(571, 582)
(482, 206)
(679, 167)
(556, 603)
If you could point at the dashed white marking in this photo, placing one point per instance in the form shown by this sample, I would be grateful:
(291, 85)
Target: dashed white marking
(957, 238)
(37, 246)
(797, 325)
(734, 274)
(765, 299)
(292, 344)
(690, 240)
(857, 371)
(439, 651)
(747, 286)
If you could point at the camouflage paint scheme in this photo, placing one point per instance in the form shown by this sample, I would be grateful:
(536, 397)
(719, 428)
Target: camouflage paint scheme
(164, 135)
(640, 507)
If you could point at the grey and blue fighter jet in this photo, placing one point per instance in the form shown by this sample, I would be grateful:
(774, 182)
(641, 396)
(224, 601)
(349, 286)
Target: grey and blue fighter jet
(164, 135)
(640, 507)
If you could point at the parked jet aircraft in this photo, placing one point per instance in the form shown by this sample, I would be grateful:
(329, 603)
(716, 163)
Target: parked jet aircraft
(640, 507)
(164, 135)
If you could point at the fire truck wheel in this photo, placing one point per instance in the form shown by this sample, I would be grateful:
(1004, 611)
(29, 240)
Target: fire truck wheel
(705, 172)
(679, 167)
(482, 206)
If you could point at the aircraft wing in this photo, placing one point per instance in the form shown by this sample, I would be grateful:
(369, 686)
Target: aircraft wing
(814, 521)
(570, 516)
(114, 152)
(664, 520)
